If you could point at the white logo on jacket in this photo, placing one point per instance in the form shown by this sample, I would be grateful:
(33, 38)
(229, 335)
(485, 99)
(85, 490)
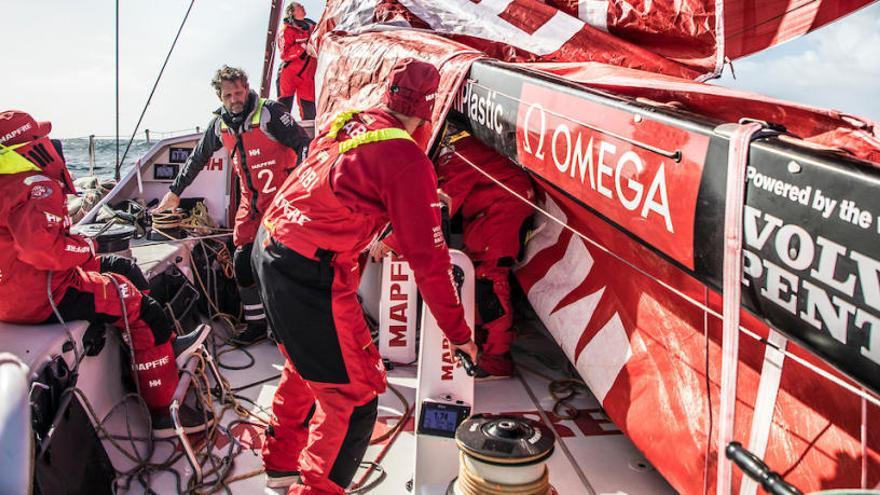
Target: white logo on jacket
(149, 365)
(40, 191)
(76, 249)
(291, 213)
(52, 218)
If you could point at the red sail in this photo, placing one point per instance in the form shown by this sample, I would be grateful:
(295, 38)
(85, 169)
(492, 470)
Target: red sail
(687, 30)
(625, 313)
(685, 34)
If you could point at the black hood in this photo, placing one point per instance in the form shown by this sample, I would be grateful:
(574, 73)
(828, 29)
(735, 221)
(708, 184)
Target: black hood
(303, 24)
(234, 120)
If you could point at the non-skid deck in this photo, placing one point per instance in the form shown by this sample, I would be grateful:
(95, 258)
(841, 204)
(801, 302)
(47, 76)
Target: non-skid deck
(591, 457)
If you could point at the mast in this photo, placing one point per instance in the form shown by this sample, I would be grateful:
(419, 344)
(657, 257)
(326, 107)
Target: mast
(118, 165)
(269, 56)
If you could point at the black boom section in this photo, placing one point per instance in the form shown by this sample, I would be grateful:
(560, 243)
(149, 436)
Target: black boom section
(812, 217)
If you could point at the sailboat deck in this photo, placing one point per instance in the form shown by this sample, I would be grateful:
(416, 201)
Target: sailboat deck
(592, 456)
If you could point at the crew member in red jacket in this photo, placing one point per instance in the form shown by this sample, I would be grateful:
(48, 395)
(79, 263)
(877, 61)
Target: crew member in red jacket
(363, 172)
(265, 144)
(494, 223)
(46, 272)
(296, 75)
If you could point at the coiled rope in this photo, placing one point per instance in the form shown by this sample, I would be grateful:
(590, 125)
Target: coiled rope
(470, 482)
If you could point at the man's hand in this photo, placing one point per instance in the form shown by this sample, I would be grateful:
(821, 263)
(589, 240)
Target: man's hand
(170, 202)
(469, 348)
(444, 198)
(378, 250)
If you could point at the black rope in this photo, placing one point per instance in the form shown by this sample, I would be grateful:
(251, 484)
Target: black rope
(152, 91)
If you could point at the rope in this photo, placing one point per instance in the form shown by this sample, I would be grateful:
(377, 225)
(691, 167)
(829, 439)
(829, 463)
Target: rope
(162, 134)
(471, 483)
(152, 91)
(167, 220)
(563, 391)
(855, 390)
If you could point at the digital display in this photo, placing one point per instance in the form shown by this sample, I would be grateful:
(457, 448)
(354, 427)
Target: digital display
(178, 155)
(436, 419)
(442, 418)
(165, 171)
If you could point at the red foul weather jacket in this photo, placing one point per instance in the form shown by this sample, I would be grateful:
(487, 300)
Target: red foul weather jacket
(493, 217)
(263, 149)
(360, 174)
(297, 71)
(477, 196)
(35, 240)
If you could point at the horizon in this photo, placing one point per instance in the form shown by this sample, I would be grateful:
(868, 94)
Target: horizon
(836, 67)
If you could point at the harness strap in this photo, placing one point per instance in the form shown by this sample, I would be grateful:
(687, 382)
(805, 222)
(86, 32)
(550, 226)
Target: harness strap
(258, 111)
(737, 160)
(386, 134)
(255, 116)
(340, 121)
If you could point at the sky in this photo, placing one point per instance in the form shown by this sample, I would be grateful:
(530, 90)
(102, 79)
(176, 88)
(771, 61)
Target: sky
(66, 75)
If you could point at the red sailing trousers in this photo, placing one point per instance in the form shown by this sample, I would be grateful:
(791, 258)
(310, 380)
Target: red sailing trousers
(103, 297)
(491, 238)
(326, 404)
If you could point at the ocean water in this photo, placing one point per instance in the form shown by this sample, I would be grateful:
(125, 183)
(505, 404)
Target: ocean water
(76, 152)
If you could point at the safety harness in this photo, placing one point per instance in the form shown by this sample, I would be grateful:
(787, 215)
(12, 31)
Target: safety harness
(255, 116)
(325, 256)
(11, 162)
(376, 136)
(239, 147)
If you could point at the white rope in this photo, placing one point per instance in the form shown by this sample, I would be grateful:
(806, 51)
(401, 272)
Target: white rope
(857, 391)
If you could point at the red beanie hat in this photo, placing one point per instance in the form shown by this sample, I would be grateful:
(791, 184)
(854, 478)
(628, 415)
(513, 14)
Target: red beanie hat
(412, 88)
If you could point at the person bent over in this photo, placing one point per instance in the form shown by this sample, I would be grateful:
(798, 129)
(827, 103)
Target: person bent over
(363, 172)
(494, 222)
(40, 258)
(264, 145)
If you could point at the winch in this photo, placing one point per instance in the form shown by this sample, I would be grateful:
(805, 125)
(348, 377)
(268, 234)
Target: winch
(109, 237)
(502, 455)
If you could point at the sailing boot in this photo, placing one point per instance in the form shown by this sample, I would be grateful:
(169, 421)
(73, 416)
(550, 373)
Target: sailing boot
(494, 366)
(254, 316)
(281, 479)
(157, 378)
(185, 345)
